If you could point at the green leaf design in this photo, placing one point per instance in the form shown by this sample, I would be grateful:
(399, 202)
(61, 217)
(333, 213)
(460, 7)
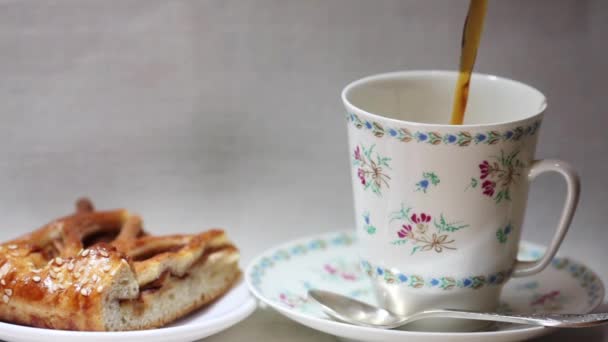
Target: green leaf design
(447, 283)
(431, 177)
(357, 121)
(478, 282)
(464, 138)
(434, 138)
(517, 133)
(493, 137)
(416, 281)
(402, 214)
(405, 135)
(500, 235)
(389, 277)
(377, 129)
(443, 226)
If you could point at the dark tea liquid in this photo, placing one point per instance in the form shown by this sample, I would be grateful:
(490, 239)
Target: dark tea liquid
(471, 35)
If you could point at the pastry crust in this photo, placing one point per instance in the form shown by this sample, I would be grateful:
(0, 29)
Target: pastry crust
(100, 271)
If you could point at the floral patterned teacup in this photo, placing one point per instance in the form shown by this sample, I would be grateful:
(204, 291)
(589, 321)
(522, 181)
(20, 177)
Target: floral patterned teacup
(439, 207)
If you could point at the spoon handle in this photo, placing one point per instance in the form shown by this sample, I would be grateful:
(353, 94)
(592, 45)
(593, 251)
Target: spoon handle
(544, 319)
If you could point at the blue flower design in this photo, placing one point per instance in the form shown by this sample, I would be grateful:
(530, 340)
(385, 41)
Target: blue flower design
(392, 132)
(451, 138)
(467, 282)
(403, 278)
(298, 250)
(368, 125)
(266, 262)
(366, 217)
(492, 279)
(480, 137)
(434, 282)
(509, 134)
(424, 183)
(379, 271)
(421, 136)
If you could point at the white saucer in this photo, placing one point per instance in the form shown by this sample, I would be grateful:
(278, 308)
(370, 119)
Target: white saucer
(281, 276)
(230, 309)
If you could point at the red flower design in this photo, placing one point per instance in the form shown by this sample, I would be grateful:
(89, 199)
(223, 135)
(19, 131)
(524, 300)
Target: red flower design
(484, 167)
(488, 188)
(357, 153)
(361, 175)
(405, 231)
(423, 218)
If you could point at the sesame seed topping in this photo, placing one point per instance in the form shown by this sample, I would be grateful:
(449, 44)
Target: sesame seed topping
(106, 268)
(85, 291)
(36, 270)
(61, 287)
(36, 278)
(76, 275)
(104, 253)
(70, 266)
(85, 252)
(8, 292)
(12, 246)
(113, 273)
(2, 282)
(95, 277)
(15, 253)
(59, 261)
(53, 274)
(5, 299)
(99, 288)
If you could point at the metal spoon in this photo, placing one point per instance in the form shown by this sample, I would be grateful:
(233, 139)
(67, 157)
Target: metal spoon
(355, 312)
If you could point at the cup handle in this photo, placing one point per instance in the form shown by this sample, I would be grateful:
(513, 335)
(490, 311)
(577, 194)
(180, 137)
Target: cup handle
(526, 268)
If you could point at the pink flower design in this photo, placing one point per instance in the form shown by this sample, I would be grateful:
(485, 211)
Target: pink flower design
(405, 232)
(484, 167)
(488, 187)
(544, 298)
(361, 175)
(357, 153)
(421, 222)
(330, 269)
(349, 276)
(423, 218)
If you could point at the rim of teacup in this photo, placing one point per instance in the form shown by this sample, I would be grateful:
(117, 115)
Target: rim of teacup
(440, 73)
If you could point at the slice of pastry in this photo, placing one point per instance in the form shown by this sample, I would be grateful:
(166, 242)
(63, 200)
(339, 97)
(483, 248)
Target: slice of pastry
(99, 270)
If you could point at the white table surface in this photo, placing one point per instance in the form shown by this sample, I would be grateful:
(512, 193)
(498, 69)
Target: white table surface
(226, 112)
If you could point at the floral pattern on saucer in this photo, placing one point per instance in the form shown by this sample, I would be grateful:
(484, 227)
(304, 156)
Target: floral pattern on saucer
(284, 275)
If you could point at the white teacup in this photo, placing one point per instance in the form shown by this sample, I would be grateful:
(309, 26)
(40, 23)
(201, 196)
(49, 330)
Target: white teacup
(439, 207)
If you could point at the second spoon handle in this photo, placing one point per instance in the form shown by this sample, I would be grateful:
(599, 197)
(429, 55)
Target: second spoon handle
(544, 319)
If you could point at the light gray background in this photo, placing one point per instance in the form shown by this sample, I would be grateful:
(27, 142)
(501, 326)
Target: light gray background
(227, 113)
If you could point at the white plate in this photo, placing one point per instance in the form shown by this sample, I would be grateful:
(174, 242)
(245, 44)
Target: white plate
(230, 309)
(281, 276)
